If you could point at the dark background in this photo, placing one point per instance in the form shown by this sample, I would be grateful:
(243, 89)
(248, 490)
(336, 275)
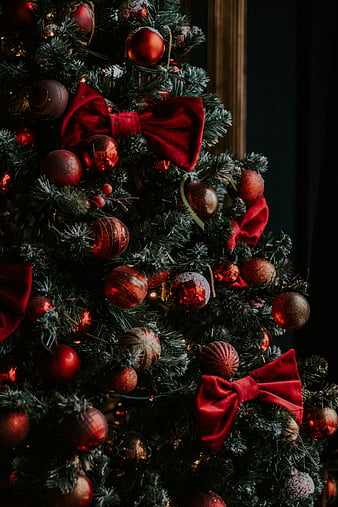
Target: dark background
(291, 119)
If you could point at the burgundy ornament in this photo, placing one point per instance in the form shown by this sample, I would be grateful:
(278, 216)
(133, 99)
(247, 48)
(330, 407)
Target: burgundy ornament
(290, 310)
(48, 99)
(257, 271)
(14, 427)
(83, 16)
(190, 291)
(37, 307)
(125, 287)
(111, 237)
(62, 167)
(250, 187)
(145, 46)
(145, 345)
(85, 430)
(320, 422)
(202, 198)
(219, 358)
(122, 380)
(227, 272)
(266, 340)
(60, 364)
(80, 496)
(100, 152)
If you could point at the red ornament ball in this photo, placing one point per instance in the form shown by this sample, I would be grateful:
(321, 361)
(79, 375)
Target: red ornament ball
(20, 13)
(80, 496)
(63, 168)
(266, 340)
(85, 430)
(219, 358)
(14, 427)
(202, 199)
(111, 237)
(299, 485)
(122, 380)
(145, 345)
(290, 310)
(145, 46)
(227, 272)
(100, 153)
(83, 15)
(202, 499)
(60, 364)
(37, 307)
(190, 291)
(250, 187)
(125, 287)
(48, 99)
(256, 271)
(320, 422)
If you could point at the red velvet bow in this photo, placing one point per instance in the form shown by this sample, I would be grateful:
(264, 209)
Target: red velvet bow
(15, 288)
(217, 400)
(251, 226)
(172, 127)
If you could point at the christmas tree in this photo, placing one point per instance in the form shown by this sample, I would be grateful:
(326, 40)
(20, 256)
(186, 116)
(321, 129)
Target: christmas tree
(140, 288)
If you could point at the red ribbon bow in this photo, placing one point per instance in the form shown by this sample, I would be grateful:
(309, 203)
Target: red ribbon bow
(251, 226)
(217, 400)
(15, 288)
(172, 127)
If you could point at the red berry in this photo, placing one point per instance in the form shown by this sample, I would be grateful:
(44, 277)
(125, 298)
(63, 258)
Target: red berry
(106, 189)
(99, 201)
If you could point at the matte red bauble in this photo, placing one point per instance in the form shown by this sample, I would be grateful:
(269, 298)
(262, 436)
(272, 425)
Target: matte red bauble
(227, 272)
(219, 358)
(60, 364)
(190, 291)
(80, 496)
(202, 499)
(100, 153)
(256, 271)
(290, 310)
(48, 99)
(320, 422)
(145, 46)
(86, 430)
(14, 427)
(202, 199)
(37, 307)
(251, 186)
(122, 380)
(125, 287)
(20, 13)
(8, 371)
(83, 16)
(111, 237)
(145, 345)
(63, 168)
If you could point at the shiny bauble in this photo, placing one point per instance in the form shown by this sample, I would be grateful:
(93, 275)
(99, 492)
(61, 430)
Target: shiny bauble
(266, 340)
(62, 167)
(144, 344)
(190, 291)
(299, 485)
(48, 99)
(37, 307)
(111, 237)
(83, 16)
(20, 13)
(204, 499)
(14, 427)
(145, 46)
(256, 271)
(80, 496)
(122, 380)
(60, 364)
(85, 430)
(320, 423)
(133, 451)
(125, 286)
(100, 152)
(250, 186)
(202, 198)
(227, 272)
(290, 310)
(219, 358)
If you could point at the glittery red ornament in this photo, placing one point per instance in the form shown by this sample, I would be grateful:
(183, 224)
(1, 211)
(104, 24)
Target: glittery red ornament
(20, 13)
(299, 485)
(8, 371)
(145, 46)
(202, 198)
(125, 287)
(80, 496)
(226, 272)
(37, 307)
(60, 364)
(320, 422)
(122, 380)
(266, 340)
(256, 271)
(251, 186)
(62, 167)
(219, 358)
(48, 99)
(202, 499)
(290, 310)
(190, 291)
(111, 237)
(85, 430)
(14, 427)
(100, 152)
(83, 16)
(145, 345)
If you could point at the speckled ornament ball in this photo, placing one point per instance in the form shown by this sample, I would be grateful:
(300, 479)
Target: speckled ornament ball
(320, 422)
(62, 167)
(122, 380)
(48, 99)
(145, 46)
(219, 358)
(250, 186)
(299, 485)
(190, 291)
(202, 198)
(145, 345)
(290, 310)
(125, 286)
(256, 271)
(111, 237)
(204, 499)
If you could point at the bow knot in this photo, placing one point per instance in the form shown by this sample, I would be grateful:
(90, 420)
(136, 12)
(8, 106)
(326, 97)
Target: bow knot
(247, 388)
(124, 124)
